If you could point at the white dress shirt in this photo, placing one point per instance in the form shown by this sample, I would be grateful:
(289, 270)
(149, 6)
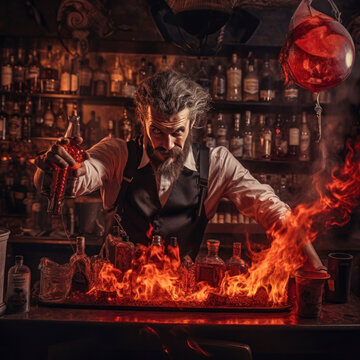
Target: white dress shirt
(227, 179)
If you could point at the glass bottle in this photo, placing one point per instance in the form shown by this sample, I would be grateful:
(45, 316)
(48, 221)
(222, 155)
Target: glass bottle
(32, 73)
(19, 71)
(116, 78)
(4, 117)
(92, 130)
(125, 130)
(234, 78)
(267, 82)
(267, 136)
(100, 79)
(14, 126)
(251, 83)
(49, 121)
(65, 76)
(63, 179)
(294, 138)
(248, 137)
(236, 141)
(219, 84)
(210, 268)
(143, 71)
(80, 268)
(210, 140)
(259, 139)
(202, 76)
(6, 70)
(156, 252)
(39, 119)
(18, 287)
(129, 86)
(27, 122)
(111, 129)
(236, 265)
(74, 76)
(49, 74)
(173, 253)
(305, 139)
(61, 119)
(85, 78)
(291, 93)
(221, 131)
(278, 136)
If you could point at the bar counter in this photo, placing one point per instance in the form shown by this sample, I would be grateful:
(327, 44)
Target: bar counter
(68, 333)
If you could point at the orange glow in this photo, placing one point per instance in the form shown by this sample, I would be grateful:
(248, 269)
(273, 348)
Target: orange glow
(157, 279)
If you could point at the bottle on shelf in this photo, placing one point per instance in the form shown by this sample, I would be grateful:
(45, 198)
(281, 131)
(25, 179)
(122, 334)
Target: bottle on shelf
(236, 265)
(6, 70)
(181, 67)
(248, 137)
(236, 145)
(234, 79)
(27, 121)
(111, 129)
(39, 119)
(85, 78)
(210, 140)
(74, 76)
(32, 73)
(210, 268)
(129, 86)
(19, 71)
(14, 125)
(63, 178)
(18, 287)
(48, 129)
(4, 117)
(283, 191)
(219, 84)
(125, 130)
(251, 82)
(294, 138)
(49, 74)
(305, 139)
(65, 76)
(267, 82)
(279, 142)
(202, 76)
(143, 71)
(100, 79)
(92, 130)
(80, 268)
(61, 119)
(164, 64)
(156, 252)
(291, 93)
(267, 136)
(116, 78)
(221, 131)
(259, 138)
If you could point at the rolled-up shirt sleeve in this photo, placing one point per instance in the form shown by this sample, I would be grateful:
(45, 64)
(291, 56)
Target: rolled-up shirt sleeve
(229, 179)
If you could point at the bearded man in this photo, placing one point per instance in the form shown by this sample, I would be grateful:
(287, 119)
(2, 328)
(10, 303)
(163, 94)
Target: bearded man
(165, 181)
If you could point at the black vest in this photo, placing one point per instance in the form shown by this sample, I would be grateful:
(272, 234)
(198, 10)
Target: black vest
(180, 216)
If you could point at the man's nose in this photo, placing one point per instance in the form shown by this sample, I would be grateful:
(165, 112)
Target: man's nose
(168, 142)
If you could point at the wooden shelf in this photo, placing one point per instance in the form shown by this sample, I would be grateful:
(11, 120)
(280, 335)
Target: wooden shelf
(273, 166)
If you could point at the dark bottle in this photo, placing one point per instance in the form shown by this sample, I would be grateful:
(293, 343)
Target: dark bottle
(294, 138)
(100, 79)
(85, 78)
(236, 265)
(202, 77)
(221, 131)
(74, 76)
(48, 129)
(14, 127)
(259, 138)
(267, 136)
(92, 130)
(210, 140)
(278, 143)
(251, 83)
(210, 268)
(116, 78)
(61, 120)
(64, 179)
(49, 74)
(143, 71)
(4, 117)
(6, 70)
(80, 268)
(27, 122)
(32, 73)
(248, 137)
(267, 82)
(19, 71)
(125, 130)
(219, 84)
(291, 93)
(156, 252)
(236, 145)
(173, 253)
(111, 129)
(39, 119)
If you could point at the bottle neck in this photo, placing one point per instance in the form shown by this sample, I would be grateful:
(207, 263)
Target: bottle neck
(213, 250)
(80, 246)
(156, 240)
(19, 260)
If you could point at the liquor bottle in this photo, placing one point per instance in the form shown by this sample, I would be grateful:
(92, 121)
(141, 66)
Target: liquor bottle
(39, 119)
(19, 71)
(18, 287)
(251, 83)
(181, 68)
(267, 83)
(202, 76)
(236, 265)
(187, 272)
(221, 131)
(219, 84)
(27, 122)
(305, 139)
(125, 130)
(49, 74)
(129, 85)
(74, 76)
(85, 78)
(80, 268)
(6, 70)
(173, 253)
(236, 146)
(143, 71)
(283, 191)
(14, 126)
(61, 119)
(116, 78)
(291, 93)
(248, 137)
(164, 64)
(63, 179)
(92, 130)
(100, 79)
(4, 117)
(234, 78)
(111, 129)
(278, 151)
(294, 138)
(65, 82)
(32, 73)
(48, 129)
(156, 252)
(210, 140)
(259, 139)
(210, 268)
(267, 136)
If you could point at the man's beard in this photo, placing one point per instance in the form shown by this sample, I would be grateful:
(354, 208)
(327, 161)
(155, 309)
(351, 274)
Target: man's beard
(173, 165)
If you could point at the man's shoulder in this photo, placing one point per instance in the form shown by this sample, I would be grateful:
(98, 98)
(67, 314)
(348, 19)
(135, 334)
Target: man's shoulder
(219, 153)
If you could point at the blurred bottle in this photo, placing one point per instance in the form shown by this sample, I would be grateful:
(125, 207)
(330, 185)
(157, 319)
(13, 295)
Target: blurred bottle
(248, 137)
(27, 121)
(259, 138)
(129, 86)
(219, 84)
(291, 93)
(80, 268)
(14, 126)
(39, 119)
(279, 149)
(74, 76)
(4, 118)
(251, 82)
(164, 64)
(111, 129)
(32, 73)
(202, 76)
(48, 129)
(65, 82)
(100, 79)
(181, 68)
(61, 120)
(18, 287)
(267, 82)
(156, 252)
(92, 130)
(6, 70)
(305, 139)
(143, 71)
(267, 136)
(221, 131)
(236, 265)
(210, 140)
(236, 141)
(234, 79)
(116, 79)
(210, 268)
(125, 130)
(85, 78)
(19, 71)
(294, 138)
(49, 73)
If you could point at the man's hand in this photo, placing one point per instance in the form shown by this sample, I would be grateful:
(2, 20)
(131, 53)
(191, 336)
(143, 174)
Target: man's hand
(58, 156)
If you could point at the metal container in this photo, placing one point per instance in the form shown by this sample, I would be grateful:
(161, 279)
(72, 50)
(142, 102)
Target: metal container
(4, 235)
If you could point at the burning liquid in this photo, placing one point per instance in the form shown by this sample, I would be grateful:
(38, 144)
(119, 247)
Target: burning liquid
(166, 283)
(318, 55)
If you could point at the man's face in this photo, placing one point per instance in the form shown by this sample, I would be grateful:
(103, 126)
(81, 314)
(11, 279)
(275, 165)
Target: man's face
(167, 140)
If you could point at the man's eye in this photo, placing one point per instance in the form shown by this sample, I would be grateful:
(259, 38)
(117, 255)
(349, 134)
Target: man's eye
(178, 132)
(155, 131)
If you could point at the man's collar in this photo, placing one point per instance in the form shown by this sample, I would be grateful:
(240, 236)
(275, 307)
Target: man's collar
(189, 161)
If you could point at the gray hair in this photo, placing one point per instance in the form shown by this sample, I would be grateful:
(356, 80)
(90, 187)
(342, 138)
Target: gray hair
(169, 92)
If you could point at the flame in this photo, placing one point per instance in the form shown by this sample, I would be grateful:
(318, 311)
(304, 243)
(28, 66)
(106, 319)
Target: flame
(156, 277)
